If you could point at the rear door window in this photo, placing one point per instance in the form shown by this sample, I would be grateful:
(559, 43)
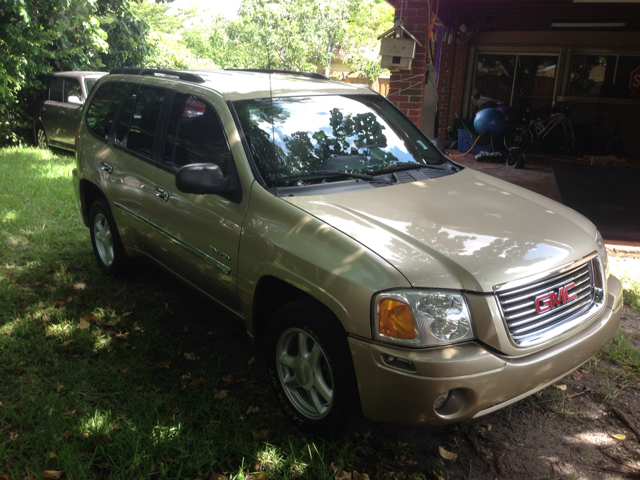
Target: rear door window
(104, 107)
(145, 118)
(195, 134)
(55, 90)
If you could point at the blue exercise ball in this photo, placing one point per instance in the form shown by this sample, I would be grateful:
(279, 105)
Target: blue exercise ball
(489, 120)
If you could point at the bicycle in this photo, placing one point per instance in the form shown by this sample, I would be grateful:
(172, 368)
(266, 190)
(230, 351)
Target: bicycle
(539, 125)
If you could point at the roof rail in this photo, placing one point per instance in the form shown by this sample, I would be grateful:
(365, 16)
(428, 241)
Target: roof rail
(187, 76)
(317, 76)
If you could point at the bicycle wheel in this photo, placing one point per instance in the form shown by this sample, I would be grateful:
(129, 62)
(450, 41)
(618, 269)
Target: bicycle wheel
(569, 140)
(518, 136)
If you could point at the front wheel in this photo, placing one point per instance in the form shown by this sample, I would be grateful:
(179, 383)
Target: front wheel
(310, 368)
(518, 136)
(107, 246)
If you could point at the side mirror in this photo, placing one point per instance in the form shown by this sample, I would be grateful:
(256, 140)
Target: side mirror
(74, 99)
(203, 178)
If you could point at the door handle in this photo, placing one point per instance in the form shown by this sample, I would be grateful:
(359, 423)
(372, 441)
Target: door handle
(162, 194)
(106, 167)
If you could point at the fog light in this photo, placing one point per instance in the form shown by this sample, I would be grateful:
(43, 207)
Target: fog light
(441, 400)
(399, 363)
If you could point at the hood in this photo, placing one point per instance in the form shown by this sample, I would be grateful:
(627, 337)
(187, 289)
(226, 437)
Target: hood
(465, 231)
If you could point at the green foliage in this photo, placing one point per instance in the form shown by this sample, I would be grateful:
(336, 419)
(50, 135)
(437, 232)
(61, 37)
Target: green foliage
(39, 36)
(295, 35)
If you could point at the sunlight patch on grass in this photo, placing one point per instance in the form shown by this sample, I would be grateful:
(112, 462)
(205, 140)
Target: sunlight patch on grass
(628, 272)
(9, 216)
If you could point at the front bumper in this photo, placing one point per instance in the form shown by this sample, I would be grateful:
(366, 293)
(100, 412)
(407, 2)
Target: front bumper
(480, 380)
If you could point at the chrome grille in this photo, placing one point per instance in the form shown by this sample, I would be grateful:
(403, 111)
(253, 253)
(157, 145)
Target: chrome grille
(517, 302)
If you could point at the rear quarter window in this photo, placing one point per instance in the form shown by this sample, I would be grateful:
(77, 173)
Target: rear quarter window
(104, 107)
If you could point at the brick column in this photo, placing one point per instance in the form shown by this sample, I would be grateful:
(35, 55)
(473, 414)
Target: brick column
(453, 65)
(406, 88)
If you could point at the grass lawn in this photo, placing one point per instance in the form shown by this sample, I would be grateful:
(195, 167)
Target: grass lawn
(104, 378)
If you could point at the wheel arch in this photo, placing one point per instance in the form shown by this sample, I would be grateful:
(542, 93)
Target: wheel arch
(270, 294)
(89, 193)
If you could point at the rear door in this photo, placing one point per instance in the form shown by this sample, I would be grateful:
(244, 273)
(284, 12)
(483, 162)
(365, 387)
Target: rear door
(50, 111)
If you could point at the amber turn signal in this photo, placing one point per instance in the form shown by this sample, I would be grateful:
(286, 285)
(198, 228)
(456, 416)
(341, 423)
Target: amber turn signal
(395, 320)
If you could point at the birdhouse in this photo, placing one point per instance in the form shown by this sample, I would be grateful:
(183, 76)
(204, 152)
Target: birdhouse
(397, 53)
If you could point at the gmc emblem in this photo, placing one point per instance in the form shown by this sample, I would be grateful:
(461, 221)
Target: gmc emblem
(548, 301)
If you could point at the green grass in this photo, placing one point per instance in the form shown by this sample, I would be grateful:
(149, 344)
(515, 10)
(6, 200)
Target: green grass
(120, 398)
(628, 271)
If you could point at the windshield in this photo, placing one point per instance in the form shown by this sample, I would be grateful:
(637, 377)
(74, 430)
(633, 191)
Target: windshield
(294, 136)
(89, 83)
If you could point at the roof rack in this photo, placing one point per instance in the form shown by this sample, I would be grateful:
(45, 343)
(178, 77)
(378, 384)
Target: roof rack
(189, 77)
(317, 76)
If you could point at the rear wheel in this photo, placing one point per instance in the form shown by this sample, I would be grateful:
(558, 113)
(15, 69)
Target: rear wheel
(518, 136)
(310, 368)
(107, 246)
(41, 137)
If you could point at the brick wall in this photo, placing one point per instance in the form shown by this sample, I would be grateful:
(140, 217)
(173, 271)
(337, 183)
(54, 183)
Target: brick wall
(406, 89)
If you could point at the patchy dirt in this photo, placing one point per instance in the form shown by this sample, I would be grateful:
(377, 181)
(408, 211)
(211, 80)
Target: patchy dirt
(583, 432)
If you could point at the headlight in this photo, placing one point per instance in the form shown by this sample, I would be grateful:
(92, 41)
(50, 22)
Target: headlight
(421, 318)
(602, 251)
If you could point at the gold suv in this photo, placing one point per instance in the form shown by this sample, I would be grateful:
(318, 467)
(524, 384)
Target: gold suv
(375, 275)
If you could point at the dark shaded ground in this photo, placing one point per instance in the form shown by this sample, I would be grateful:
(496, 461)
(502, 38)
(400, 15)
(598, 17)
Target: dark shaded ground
(555, 434)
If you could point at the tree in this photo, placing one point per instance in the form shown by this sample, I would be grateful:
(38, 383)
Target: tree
(38, 36)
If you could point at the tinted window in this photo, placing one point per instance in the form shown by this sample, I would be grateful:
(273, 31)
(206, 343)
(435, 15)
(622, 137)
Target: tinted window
(55, 90)
(72, 87)
(89, 83)
(195, 134)
(104, 106)
(124, 121)
(144, 120)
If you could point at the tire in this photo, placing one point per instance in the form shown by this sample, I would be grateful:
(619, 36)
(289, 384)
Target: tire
(105, 239)
(518, 136)
(311, 369)
(41, 138)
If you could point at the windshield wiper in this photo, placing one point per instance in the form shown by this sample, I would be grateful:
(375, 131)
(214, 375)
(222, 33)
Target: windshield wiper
(325, 173)
(403, 167)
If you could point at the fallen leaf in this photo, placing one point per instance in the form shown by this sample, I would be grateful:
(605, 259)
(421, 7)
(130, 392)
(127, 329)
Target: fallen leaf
(164, 364)
(1, 405)
(576, 375)
(12, 436)
(259, 476)
(627, 367)
(361, 476)
(126, 314)
(217, 476)
(260, 434)
(79, 286)
(59, 386)
(489, 427)
(190, 356)
(561, 387)
(166, 305)
(121, 416)
(83, 324)
(4, 477)
(89, 318)
(251, 361)
(343, 476)
(122, 335)
(52, 474)
(124, 370)
(52, 455)
(67, 342)
(252, 409)
(116, 426)
(196, 382)
(220, 394)
(619, 436)
(446, 454)
(334, 467)
(228, 379)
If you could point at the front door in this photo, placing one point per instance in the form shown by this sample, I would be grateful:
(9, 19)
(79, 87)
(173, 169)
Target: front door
(201, 232)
